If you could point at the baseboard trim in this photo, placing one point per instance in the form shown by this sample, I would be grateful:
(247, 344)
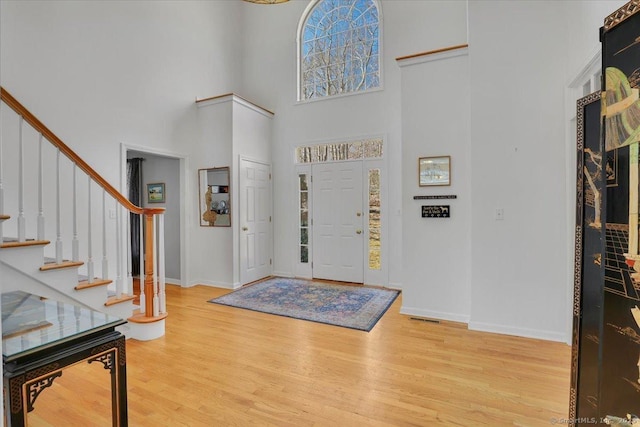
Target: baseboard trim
(286, 274)
(396, 286)
(430, 314)
(519, 332)
(211, 283)
(172, 281)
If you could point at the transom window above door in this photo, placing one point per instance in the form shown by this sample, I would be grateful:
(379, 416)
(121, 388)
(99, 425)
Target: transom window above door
(336, 151)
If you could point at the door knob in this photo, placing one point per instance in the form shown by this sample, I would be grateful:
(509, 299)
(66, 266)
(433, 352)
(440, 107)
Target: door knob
(244, 228)
(358, 231)
(358, 213)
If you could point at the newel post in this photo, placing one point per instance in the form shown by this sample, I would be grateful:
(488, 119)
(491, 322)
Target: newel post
(151, 251)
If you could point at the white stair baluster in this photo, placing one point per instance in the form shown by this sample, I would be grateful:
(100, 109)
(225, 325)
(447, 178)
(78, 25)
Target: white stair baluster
(1, 195)
(161, 266)
(75, 243)
(143, 297)
(119, 284)
(58, 214)
(127, 220)
(40, 191)
(105, 262)
(21, 220)
(154, 245)
(89, 240)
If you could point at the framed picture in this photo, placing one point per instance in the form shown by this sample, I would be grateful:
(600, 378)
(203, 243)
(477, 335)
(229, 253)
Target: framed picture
(155, 193)
(434, 171)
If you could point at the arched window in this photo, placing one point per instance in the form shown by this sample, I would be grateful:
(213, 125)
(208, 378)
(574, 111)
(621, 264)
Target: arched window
(339, 48)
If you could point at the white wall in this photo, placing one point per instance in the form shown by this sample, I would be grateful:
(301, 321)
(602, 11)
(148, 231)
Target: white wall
(408, 27)
(517, 157)
(436, 251)
(211, 252)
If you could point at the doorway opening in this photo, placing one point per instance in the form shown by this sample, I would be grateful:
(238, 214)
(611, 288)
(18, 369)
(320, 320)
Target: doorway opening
(168, 169)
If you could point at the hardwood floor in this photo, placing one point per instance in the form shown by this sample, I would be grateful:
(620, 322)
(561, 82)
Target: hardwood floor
(223, 366)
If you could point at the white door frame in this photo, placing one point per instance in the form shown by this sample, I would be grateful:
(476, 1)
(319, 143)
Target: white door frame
(185, 211)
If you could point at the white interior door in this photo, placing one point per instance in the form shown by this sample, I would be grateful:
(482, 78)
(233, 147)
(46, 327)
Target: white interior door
(255, 221)
(338, 235)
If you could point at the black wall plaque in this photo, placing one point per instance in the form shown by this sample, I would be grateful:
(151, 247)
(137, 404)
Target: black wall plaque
(446, 196)
(441, 211)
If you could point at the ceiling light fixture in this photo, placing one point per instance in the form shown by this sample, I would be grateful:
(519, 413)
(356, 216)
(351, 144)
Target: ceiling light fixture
(266, 1)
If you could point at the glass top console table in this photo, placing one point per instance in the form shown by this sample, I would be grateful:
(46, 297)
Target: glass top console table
(41, 337)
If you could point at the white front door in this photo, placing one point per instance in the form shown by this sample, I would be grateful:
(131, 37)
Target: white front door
(338, 220)
(255, 221)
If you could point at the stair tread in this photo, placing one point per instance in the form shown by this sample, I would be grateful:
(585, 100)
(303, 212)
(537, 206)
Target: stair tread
(12, 242)
(112, 300)
(50, 264)
(97, 282)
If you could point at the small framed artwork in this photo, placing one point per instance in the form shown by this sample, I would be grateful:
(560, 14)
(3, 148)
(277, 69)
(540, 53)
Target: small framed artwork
(434, 171)
(155, 193)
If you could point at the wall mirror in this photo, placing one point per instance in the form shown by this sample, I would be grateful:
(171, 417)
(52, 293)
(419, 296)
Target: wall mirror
(215, 207)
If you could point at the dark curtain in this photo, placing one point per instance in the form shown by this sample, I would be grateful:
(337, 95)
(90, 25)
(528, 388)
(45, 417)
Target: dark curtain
(134, 181)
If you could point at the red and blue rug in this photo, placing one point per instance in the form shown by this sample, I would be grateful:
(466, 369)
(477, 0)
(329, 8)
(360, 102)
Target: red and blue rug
(355, 307)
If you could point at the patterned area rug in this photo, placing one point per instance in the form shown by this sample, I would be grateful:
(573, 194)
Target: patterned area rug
(348, 306)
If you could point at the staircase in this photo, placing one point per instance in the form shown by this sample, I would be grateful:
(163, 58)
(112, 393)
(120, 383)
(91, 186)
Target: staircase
(57, 214)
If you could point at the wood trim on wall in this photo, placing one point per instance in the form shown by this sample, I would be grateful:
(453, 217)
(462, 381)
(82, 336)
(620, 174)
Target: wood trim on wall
(233, 96)
(431, 52)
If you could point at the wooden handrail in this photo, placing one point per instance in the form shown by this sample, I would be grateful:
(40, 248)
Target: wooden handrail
(57, 142)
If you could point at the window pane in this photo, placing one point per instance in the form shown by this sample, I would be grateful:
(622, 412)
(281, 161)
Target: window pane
(339, 48)
(374, 219)
(350, 150)
(303, 190)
